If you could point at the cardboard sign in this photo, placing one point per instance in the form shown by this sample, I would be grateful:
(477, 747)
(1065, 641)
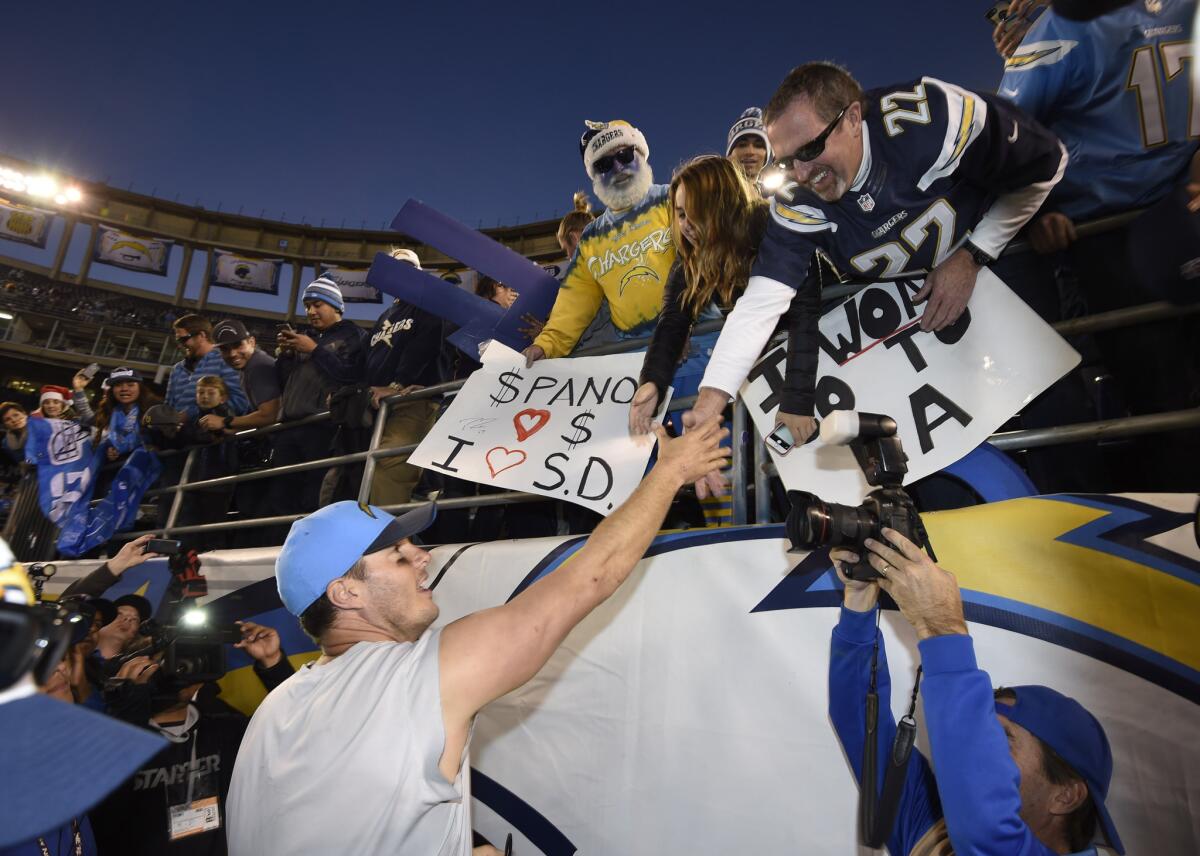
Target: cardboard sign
(560, 428)
(948, 391)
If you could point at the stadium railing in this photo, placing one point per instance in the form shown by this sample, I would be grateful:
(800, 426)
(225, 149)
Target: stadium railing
(746, 444)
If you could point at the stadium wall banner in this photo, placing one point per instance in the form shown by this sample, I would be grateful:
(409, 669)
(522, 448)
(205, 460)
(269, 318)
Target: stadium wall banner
(692, 705)
(353, 284)
(244, 273)
(948, 391)
(27, 225)
(559, 429)
(123, 250)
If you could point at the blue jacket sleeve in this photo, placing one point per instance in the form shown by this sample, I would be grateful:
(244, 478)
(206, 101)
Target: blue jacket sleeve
(977, 779)
(849, 678)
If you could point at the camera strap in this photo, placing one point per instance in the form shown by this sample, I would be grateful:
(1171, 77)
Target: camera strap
(877, 811)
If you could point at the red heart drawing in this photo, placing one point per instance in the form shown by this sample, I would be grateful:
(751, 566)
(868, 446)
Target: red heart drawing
(505, 458)
(529, 421)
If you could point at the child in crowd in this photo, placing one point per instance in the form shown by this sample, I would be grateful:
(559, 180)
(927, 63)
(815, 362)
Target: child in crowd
(216, 458)
(212, 396)
(55, 403)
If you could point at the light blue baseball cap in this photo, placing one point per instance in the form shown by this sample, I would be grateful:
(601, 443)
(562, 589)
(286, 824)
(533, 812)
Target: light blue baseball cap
(321, 547)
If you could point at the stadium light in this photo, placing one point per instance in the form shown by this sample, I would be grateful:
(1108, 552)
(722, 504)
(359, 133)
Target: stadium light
(6, 316)
(42, 186)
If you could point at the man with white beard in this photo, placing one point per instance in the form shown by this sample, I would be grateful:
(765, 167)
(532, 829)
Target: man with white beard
(624, 254)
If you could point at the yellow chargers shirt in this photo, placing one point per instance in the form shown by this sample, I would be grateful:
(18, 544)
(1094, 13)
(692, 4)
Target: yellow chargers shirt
(624, 257)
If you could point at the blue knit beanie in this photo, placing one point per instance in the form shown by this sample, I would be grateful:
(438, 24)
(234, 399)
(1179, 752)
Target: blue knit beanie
(324, 288)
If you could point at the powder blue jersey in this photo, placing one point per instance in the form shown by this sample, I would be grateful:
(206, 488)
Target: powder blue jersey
(1118, 92)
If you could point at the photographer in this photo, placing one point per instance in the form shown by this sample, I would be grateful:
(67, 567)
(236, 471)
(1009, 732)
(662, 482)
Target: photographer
(175, 803)
(1023, 770)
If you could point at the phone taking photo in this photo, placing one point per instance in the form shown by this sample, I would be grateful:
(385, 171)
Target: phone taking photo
(163, 546)
(90, 371)
(780, 441)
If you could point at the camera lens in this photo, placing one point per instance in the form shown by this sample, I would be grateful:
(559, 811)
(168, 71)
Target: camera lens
(814, 523)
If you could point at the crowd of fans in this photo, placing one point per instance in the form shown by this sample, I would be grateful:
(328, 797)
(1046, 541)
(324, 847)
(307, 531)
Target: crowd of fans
(711, 244)
(24, 290)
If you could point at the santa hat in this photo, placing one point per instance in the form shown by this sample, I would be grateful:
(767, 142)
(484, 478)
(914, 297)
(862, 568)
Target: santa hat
(750, 122)
(55, 393)
(603, 138)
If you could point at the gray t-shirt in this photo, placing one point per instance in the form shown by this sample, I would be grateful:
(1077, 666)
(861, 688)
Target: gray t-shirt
(343, 758)
(260, 380)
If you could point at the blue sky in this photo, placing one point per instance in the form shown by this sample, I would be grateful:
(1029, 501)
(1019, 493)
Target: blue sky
(341, 111)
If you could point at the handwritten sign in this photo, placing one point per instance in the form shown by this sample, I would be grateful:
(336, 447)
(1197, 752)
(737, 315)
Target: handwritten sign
(948, 391)
(558, 429)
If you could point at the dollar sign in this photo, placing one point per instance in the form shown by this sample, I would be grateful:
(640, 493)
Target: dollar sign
(504, 396)
(582, 432)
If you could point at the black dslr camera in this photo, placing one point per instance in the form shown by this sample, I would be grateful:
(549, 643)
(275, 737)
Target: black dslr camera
(814, 523)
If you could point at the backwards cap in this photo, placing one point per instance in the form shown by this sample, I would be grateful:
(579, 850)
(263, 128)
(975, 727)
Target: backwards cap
(1065, 726)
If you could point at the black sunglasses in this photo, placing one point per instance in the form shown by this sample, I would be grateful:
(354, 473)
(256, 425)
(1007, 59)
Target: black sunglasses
(179, 340)
(814, 148)
(623, 156)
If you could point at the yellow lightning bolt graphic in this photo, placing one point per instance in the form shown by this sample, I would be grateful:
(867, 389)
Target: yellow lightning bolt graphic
(1015, 556)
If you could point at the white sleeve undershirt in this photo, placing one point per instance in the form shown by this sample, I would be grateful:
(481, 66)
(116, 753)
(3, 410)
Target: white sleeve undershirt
(746, 331)
(1013, 210)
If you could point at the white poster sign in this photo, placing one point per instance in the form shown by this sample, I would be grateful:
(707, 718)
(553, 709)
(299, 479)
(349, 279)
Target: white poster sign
(559, 429)
(948, 391)
(132, 252)
(27, 225)
(246, 273)
(353, 284)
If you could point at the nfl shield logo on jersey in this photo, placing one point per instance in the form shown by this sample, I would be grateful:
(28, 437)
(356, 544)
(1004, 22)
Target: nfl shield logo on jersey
(866, 203)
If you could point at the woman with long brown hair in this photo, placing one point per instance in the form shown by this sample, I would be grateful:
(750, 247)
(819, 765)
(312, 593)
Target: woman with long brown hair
(717, 222)
(119, 413)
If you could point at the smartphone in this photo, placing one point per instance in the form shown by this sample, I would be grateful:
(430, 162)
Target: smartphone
(285, 328)
(780, 441)
(90, 371)
(998, 14)
(163, 546)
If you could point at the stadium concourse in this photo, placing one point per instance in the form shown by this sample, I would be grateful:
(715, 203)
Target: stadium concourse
(647, 459)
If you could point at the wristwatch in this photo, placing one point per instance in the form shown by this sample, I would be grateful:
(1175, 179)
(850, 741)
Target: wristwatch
(229, 421)
(979, 256)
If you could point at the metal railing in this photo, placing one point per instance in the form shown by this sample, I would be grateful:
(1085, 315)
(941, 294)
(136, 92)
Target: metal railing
(750, 465)
(746, 444)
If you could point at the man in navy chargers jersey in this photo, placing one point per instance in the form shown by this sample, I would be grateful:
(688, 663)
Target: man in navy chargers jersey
(920, 179)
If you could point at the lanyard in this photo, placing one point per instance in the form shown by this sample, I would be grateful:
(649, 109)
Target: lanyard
(78, 840)
(192, 768)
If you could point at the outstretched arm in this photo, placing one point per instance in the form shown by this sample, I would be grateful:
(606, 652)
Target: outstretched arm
(489, 653)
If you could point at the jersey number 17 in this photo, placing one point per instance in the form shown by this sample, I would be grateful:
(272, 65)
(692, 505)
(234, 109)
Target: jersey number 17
(1145, 80)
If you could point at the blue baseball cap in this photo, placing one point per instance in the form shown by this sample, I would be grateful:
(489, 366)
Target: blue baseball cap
(1065, 726)
(321, 547)
(60, 760)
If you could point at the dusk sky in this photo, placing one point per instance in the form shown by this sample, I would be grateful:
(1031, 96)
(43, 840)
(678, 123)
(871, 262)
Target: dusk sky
(340, 111)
